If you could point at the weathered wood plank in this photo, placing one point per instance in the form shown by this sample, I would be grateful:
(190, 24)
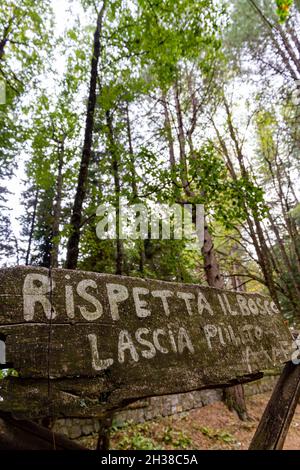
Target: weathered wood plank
(277, 417)
(127, 338)
(26, 435)
(90, 397)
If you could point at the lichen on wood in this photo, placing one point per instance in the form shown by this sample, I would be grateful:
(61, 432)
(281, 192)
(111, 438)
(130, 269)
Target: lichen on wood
(84, 343)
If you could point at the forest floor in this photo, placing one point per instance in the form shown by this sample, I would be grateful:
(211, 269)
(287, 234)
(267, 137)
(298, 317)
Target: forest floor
(211, 427)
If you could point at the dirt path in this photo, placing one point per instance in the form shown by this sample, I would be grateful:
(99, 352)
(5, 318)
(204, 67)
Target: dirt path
(210, 427)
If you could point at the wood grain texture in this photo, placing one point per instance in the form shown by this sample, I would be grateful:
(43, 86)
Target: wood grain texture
(26, 435)
(277, 417)
(86, 343)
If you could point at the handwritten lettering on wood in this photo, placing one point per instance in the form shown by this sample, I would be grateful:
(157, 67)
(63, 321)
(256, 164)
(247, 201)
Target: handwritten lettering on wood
(84, 343)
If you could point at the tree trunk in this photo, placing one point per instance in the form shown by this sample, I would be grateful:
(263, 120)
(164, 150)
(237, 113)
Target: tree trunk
(286, 260)
(211, 266)
(104, 433)
(76, 218)
(28, 252)
(117, 185)
(140, 243)
(168, 131)
(254, 225)
(181, 139)
(234, 397)
(5, 37)
(2, 45)
(283, 52)
(131, 156)
(57, 209)
(17, 250)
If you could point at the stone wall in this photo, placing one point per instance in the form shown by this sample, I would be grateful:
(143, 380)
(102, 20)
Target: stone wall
(155, 407)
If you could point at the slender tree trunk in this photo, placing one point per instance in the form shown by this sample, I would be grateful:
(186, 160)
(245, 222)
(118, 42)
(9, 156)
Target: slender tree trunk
(287, 262)
(289, 222)
(131, 156)
(282, 49)
(195, 110)
(290, 225)
(17, 250)
(254, 225)
(5, 37)
(289, 58)
(117, 185)
(234, 397)
(293, 34)
(104, 433)
(289, 48)
(76, 218)
(211, 266)
(181, 137)
(266, 261)
(57, 209)
(2, 45)
(168, 131)
(140, 243)
(28, 252)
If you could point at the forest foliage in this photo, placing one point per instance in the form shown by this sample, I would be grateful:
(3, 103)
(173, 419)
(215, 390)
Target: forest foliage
(165, 101)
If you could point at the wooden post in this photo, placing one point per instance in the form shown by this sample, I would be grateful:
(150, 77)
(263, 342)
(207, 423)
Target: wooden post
(277, 417)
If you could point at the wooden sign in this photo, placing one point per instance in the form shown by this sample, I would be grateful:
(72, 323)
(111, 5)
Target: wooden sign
(84, 343)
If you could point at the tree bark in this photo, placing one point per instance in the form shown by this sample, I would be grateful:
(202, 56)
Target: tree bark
(57, 208)
(140, 243)
(76, 218)
(117, 186)
(28, 252)
(181, 138)
(131, 155)
(211, 266)
(254, 225)
(5, 37)
(284, 52)
(168, 131)
(104, 433)
(234, 397)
